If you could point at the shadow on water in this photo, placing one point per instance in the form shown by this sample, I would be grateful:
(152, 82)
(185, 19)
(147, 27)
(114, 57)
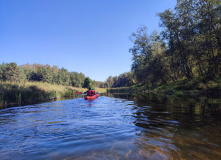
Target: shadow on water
(182, 107)
(25, 103)
(172, 127)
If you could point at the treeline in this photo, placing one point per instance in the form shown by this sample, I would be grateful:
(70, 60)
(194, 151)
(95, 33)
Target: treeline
(189, 46)
(125, 79)
(44, 73)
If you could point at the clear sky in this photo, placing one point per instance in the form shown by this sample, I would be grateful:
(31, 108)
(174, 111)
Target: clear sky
(88, 36)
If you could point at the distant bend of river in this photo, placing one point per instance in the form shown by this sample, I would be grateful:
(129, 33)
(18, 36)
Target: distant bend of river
(117, 127)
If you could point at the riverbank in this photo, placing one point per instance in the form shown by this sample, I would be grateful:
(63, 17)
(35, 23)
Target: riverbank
(182, 87)
(31, 92)
(100, 90)
(27, 92)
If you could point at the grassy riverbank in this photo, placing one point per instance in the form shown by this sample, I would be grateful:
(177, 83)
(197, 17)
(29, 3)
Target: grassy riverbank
(182, 87)
(100, 90)
(29, 92)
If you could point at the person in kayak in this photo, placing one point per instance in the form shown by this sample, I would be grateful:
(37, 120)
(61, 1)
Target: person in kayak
(93, 91)
(89, 92)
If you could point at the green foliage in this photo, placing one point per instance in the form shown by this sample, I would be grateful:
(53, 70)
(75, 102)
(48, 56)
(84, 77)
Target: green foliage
(101, 84)
(187, 52)
(11, 72)
(148, 60)
(37, 72)
(125, 79)
(2, 70)
(77, 79)
(21, 93)
(88, 83)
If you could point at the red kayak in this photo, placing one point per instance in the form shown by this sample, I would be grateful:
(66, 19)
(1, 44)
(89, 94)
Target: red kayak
(91, 97)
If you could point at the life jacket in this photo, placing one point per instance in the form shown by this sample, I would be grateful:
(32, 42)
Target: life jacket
(89, 93)
(93, 92)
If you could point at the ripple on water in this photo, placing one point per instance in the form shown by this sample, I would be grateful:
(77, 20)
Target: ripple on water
(105, 128)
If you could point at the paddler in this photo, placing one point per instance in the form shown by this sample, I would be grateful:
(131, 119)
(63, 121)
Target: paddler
(93, 91)
(89, 92)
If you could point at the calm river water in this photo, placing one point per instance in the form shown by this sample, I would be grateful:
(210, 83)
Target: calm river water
(113, 127)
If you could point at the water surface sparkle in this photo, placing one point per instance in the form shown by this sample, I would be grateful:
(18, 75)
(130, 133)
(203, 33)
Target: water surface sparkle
(104, 128)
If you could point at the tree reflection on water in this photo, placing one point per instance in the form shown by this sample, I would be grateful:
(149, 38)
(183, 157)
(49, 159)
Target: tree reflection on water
(173, 127)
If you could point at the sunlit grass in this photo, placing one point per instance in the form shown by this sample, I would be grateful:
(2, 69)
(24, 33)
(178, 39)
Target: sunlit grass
(17, 93)
(38, 86)
(20, 92)
(100, 90)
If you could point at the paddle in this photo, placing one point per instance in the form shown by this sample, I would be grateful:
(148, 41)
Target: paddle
(81, 93)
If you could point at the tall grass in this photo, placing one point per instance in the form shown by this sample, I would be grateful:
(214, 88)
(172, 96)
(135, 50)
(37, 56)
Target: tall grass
(26, 92)
(100, 90)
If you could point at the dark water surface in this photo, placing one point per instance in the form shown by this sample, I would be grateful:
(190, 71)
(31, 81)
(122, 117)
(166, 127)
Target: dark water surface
(117, 127)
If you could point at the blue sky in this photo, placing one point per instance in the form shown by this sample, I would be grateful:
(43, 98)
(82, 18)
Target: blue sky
(88, 36)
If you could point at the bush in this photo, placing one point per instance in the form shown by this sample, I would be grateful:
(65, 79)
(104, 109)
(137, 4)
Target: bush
(201, 86)
(212, 84)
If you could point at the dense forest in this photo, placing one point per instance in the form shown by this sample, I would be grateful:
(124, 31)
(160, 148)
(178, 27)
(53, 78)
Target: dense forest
(45, 73)
(188, 47)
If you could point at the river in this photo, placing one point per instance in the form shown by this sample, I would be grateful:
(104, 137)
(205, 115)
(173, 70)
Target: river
(113, 127)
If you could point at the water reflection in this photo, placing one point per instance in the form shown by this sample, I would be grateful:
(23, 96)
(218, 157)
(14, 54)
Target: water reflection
(114, 127)
(177, 127)
(184, 107)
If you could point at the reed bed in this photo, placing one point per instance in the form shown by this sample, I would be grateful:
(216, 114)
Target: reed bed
(16, 93)
(26, 92)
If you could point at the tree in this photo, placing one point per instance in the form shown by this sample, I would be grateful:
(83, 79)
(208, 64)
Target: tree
(148, 52)
(125, 79)
(2, 71)
(77, 79)
(110, 81)
(88, 83)
(27, 68)
(64, 77)
(193, 36)
(11, 72)
(43, 73)
(22, 75)
(47, 74)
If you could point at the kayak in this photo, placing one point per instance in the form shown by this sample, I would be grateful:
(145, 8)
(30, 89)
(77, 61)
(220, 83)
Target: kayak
(91, 97)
